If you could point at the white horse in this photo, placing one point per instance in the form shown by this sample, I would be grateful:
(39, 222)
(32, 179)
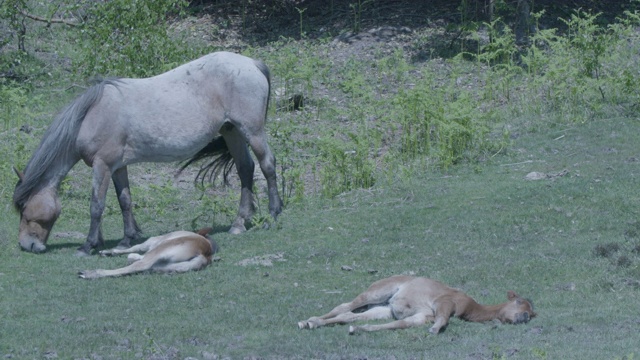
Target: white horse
(212, 106)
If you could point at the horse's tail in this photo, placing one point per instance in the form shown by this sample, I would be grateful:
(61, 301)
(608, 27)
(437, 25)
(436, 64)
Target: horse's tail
(222, 162)
(265, 71)
(58, 142)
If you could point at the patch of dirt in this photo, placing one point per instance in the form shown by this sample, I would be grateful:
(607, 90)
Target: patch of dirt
(263, 260)
(535, 175)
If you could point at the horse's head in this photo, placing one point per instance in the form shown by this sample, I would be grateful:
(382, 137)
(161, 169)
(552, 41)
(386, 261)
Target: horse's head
(517, 311)
(37, 216)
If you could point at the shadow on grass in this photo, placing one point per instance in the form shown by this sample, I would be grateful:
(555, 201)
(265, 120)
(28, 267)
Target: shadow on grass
(112, 243)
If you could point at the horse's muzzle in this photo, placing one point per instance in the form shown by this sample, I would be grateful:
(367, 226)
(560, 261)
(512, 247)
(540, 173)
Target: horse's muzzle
(32, 245)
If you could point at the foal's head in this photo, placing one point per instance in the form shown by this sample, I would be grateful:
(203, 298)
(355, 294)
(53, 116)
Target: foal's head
(517, 311)
(37, 216)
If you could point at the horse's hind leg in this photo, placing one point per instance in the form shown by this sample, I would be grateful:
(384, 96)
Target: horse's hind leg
(245, 167)
(267, 160)
(131, 230)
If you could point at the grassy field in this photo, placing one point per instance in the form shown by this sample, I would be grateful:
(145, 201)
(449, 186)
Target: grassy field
(484, 230)
(568, 239)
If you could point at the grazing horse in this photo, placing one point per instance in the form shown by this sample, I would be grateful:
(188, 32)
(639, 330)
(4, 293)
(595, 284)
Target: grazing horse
(178, 251)
(210, 107)
(414, 301)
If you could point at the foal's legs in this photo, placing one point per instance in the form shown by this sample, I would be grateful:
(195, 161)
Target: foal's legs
(370, 297)
(178, 257)
(375, 313)
(121, 183)
(245, 167)
(444, 309)
(195, 263)
(411, 321)
(139, 248)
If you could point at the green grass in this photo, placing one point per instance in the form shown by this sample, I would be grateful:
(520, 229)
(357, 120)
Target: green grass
(570, 242)
(485, 230)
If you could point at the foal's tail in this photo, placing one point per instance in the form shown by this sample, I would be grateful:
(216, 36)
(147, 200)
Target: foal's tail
(222, 162)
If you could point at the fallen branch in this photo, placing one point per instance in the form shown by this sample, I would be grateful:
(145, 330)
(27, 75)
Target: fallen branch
(50, 21)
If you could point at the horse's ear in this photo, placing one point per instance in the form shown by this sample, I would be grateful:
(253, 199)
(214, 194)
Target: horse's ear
(511, 295)
(19, 173)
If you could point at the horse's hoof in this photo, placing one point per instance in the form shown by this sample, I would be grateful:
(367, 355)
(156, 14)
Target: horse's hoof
(302, 325)
(352, 330)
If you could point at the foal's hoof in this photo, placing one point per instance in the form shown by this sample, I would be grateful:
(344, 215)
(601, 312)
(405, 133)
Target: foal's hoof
(302, 325)
(87, 274)
(353, 330)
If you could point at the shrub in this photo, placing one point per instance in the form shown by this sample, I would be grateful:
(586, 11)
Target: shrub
(130, 38)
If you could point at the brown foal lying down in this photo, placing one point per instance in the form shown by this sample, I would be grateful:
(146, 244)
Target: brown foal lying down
(179, 251)
(414, 301)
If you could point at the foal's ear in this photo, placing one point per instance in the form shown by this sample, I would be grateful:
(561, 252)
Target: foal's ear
(204, 231)
(511, 295)
(19, 173)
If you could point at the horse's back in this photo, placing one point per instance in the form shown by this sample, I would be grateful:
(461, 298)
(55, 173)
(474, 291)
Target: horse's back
(173, 115)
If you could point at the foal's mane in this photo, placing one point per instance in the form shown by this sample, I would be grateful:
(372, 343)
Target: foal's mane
(58, 143)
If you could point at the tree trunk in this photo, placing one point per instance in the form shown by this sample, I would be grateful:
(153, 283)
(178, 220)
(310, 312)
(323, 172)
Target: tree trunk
(523, 22)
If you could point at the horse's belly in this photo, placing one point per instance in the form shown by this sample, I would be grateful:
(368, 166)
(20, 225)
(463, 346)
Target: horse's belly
(174, 149)
(170, 137)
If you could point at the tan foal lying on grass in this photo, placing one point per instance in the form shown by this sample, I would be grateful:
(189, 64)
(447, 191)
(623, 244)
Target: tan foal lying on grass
(414, 301)
(178, 251)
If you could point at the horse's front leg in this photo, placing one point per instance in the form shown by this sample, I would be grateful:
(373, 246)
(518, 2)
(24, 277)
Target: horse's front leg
(101, 175)
(120, 179)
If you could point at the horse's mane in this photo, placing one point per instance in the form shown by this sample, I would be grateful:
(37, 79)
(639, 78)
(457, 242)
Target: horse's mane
(58, 142)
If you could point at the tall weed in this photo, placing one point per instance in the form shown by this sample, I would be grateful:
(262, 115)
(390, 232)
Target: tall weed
(585, 71)
(13, 99)
(345, 165)
(439, 123)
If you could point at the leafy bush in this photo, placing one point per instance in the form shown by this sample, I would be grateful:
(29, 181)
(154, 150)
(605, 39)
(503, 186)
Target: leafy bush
(130, 38)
